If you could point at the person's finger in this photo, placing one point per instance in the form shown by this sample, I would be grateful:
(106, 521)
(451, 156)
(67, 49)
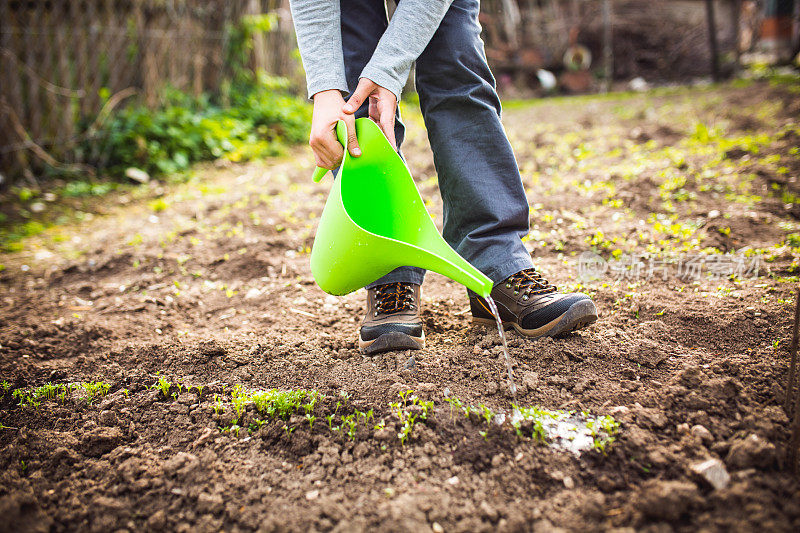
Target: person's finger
(362, 92)
(335, 151)
(352, 140)
(387, 123)
(328, 150)
(322, 163)
(322, 155)
(324, 158)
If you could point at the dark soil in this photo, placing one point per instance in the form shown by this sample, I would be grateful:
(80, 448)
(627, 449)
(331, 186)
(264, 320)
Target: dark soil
(216, 291)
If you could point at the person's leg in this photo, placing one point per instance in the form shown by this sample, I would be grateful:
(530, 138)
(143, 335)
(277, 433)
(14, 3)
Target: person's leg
(363, 23)
(485, 208)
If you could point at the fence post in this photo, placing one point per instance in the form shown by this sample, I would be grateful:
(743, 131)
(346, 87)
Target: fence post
(712, 39)
(608, 58)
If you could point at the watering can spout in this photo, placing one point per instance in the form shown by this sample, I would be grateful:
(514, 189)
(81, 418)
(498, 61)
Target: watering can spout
(375, 221)
(319, 173)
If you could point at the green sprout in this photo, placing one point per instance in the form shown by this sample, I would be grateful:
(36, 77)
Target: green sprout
(350, 422)
(603, 431)
(408, 416)
(218, 407)
(311, 418)
(95, 389)
(163, 385)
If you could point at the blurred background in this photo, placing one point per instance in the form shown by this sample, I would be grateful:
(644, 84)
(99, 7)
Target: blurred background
(128, 90)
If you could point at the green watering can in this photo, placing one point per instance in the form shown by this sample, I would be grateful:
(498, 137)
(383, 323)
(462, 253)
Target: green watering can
(374, 221)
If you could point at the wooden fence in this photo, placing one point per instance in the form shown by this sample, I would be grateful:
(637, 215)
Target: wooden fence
(66, 63)
(657, 39)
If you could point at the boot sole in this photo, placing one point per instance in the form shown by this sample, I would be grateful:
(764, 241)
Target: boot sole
(392, 341)
(578, 316)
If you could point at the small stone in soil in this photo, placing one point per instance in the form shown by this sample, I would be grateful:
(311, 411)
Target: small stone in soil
(703, 434)
(712, 472)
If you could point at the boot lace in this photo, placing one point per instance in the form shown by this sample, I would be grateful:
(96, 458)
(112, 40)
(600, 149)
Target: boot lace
(394, 298)
(529, 283)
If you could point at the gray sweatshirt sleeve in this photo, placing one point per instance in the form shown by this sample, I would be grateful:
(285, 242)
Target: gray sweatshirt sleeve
(412, 26)
(319, 38)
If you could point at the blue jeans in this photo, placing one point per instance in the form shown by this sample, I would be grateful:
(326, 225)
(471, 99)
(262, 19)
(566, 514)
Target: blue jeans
(485, 208)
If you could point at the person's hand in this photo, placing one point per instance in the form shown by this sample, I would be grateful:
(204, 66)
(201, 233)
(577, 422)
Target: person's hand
(382, 106)
(328, 152)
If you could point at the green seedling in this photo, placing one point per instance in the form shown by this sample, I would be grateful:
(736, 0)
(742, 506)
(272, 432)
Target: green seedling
(126, 392)
(163, 385)
(3, 426)
(200, 390)
(283, 404)
(407, 428)
(349, 423)
(487, 414)
(603, 430)
(329, 419)
(48, 391)
(218, 407)
(404, 395)
(239, 400)
(256, 424)
(309, 406)
(405, 415)
(455, 403)
(311, 418)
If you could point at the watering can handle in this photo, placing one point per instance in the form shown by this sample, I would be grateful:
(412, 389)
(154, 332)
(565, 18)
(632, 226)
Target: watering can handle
(341, 134)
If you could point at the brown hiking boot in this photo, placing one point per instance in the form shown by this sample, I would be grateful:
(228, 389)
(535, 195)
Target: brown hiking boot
(528, 303)
(392, 321)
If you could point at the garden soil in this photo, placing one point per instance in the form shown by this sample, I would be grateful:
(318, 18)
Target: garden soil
(210, 287)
